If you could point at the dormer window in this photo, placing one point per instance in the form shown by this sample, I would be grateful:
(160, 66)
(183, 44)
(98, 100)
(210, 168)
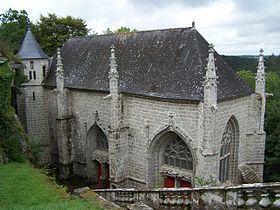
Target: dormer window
(31, 65)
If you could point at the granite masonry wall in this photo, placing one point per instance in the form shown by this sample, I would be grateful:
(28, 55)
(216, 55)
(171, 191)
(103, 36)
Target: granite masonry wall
(144, 120)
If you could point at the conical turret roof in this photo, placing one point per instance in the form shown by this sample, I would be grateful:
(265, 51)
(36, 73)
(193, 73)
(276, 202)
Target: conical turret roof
(30, 47)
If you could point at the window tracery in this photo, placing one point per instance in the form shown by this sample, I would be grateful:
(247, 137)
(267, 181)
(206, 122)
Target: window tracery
(227, 152)
(177, 154)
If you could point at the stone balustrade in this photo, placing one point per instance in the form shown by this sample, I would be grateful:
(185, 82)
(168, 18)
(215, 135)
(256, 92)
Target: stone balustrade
(247, 196)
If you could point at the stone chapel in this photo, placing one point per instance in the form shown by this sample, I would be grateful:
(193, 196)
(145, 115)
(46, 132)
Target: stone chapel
(145, 109)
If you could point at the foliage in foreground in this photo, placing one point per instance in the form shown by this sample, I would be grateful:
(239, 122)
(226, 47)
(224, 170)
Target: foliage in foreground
(12, 136)
(25, 188)
(12, 28)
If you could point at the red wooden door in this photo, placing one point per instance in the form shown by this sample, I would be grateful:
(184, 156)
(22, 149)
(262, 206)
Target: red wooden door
(99, 174)
(169, 182)
(107, 176)
(184, 183)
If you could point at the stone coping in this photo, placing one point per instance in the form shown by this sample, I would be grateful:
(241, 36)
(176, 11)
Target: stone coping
(274, 185)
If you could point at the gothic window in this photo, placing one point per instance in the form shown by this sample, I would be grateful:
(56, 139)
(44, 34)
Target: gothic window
(227, 152)
(177, 154)
(34, 74)
(30, 74)
(33, 96)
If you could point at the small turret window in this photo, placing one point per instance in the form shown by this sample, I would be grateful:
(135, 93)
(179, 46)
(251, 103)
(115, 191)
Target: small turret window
(34, 74)
(30, 74)
(33, 96)
(31, 65)
(44, 71)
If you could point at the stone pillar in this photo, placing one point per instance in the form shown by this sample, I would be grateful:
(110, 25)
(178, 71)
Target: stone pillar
(63, 125)
(209, 110)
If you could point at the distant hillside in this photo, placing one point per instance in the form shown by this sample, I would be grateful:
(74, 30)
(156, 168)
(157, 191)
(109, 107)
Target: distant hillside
(250, 62)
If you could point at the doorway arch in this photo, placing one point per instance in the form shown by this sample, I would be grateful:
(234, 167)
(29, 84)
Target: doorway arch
(171, 160)
(97, 157)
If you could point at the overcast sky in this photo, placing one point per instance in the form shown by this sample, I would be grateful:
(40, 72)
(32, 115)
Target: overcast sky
(235, 27)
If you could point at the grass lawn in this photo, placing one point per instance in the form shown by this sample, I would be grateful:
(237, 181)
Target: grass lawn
(24, 188)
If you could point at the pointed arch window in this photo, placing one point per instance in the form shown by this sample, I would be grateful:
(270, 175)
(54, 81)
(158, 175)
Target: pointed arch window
(177, 154)
(228, 152)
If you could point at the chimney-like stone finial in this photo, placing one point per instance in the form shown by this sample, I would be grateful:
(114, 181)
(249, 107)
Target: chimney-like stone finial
(260, 76)
(210, 82)
(210, 77)
(113, 63)
(28, 24)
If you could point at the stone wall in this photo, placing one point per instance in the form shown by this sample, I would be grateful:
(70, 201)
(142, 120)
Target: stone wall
(146, 119)
(87, 108)
(33, 115)
(143, 120)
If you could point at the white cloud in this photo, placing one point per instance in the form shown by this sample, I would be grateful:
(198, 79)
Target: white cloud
(234, 26)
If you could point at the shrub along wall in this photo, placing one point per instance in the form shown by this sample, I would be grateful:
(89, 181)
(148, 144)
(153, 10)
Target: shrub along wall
(12, 135)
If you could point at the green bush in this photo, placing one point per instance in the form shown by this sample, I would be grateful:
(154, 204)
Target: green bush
(34, 151)
(201, 181)
(12, 136)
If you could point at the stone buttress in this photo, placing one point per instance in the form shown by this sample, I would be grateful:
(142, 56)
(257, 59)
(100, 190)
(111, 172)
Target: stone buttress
(117, 140)
(209, 108)
(256, 134)
(63, 122)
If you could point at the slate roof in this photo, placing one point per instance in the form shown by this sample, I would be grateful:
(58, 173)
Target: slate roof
(30, 48)
(167, 63)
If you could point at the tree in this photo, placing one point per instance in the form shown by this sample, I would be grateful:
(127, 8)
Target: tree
(13, 24)
(54, 31)
(122, 29)
(248, 77)
(108, 31)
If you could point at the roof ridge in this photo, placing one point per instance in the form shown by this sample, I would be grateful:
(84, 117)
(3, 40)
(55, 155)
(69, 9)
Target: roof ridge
(137, 32)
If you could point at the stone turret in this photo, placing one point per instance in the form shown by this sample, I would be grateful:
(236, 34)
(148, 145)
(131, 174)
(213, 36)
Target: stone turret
(31, 104)
(260, 91)
(34, 58)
